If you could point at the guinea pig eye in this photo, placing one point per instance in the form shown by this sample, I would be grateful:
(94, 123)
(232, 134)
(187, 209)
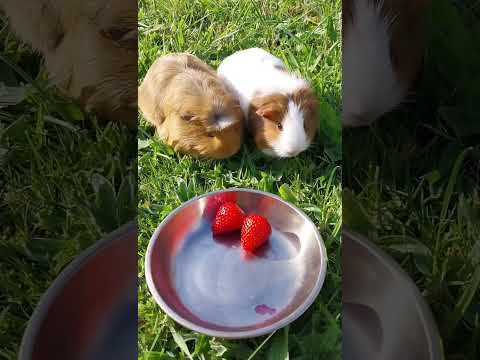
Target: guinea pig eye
(124, 37)
(210, 135)
(280, 126)
(187, 117)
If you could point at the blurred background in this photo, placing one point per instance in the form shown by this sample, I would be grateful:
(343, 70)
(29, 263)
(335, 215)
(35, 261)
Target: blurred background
(66, 180)
(411, 180)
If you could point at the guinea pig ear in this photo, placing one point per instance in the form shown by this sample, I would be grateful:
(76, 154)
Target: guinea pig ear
(268, 111)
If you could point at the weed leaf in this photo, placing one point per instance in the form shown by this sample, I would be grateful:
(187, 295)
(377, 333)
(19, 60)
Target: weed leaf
(464, 302)
(11, 95)
(142, 144)
(105, 205)
(181, 342)
(411, 248)
(287, 194)
(126, 199)
(354, 214)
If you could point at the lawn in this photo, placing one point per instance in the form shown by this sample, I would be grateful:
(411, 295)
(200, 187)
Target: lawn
(306, 35)
(60, 173)
(414, 186)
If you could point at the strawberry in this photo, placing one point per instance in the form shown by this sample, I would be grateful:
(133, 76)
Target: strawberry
(229, 218)
(215, 201)
(255, 232)
(222, 198)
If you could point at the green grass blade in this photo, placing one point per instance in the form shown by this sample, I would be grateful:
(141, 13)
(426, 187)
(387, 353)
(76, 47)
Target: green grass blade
(279, 348)
(259, 347)
(180, 342)
(464, 302)
(287, 194)
(59, 122)
(11, 95)
(451, 183)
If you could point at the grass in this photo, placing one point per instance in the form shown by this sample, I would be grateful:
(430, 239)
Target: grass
(60, 173)
(306, 35)
(414, 187)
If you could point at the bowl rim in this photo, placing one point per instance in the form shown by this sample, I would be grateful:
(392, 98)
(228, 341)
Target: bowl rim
(426, 317)
(236, 334)
(41, 309)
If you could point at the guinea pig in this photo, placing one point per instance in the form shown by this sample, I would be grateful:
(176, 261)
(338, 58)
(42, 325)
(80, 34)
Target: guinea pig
(192, 110)
(383, 48)
(280, 108)
(89, 49)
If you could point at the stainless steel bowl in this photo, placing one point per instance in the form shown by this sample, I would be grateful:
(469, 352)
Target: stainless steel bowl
(211, 286)
(90, 311)
(384, 315)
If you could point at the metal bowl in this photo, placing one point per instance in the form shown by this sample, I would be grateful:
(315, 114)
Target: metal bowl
(210, 285)
(90, 311)
(384, 315)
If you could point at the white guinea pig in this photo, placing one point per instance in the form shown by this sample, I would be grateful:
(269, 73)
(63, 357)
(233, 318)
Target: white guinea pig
(383, 47)
(280, 107)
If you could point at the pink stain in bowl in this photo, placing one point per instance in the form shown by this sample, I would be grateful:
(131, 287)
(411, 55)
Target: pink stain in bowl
(264, 309)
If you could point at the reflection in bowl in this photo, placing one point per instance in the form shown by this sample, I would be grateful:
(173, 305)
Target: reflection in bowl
(91, 308)
(210, 285)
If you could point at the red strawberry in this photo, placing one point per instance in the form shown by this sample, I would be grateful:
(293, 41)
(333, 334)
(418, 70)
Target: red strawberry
(222, 198)
(229, 218)
(214, 202)
(255, 232)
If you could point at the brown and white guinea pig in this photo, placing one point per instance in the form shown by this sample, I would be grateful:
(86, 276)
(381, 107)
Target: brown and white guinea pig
(280, 108)
(89, 49)
(383, 48)
(192, 110)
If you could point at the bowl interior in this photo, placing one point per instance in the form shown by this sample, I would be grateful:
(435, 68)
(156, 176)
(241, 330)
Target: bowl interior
(383, 312)
(90, 309)
(209, 284)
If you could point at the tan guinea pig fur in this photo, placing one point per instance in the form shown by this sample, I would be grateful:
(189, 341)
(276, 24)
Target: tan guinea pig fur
(191, 108)
(89, 50)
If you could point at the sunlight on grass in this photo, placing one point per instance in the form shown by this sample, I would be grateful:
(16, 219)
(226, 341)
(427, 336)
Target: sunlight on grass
(306, 35)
